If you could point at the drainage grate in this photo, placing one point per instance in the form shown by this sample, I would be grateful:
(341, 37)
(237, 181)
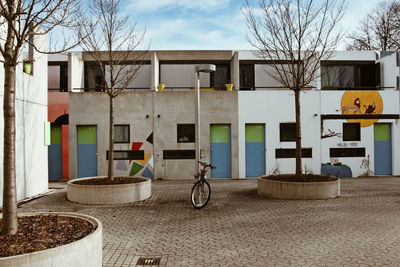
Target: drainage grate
(148, 261)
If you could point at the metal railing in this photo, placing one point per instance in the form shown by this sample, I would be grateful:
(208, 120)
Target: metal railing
(128, 89)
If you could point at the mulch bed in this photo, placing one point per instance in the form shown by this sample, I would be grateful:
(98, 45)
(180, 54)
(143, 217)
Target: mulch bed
(304, 178)
(105, 181)
(42, 232)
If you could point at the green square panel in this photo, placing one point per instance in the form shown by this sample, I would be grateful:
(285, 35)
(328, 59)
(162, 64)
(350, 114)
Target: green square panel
(87, 135)
(254, 133)
(381, 132)
(56, 135)
(136, 167)
(219, 133)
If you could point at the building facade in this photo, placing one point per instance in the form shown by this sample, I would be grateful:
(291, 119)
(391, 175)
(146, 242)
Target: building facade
(31, 119)
(350, 117)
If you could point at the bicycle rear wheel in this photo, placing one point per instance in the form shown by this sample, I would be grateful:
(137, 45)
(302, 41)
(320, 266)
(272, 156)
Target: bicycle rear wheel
(201, 193)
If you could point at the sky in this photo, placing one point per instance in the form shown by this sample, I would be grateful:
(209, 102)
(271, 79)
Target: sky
(208, 24)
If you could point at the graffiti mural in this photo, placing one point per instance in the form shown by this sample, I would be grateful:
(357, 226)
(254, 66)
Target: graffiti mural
(337, 170)
(144, 167)
(360, 103)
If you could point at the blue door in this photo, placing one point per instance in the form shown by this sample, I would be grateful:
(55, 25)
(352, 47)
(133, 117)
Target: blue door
(383, 148)
(55, 154)
(255, 150)
(220, 137)
(87, 151)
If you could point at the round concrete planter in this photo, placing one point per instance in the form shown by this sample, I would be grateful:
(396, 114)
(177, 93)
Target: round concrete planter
(298, 190)
(84, 252)
(108, 194)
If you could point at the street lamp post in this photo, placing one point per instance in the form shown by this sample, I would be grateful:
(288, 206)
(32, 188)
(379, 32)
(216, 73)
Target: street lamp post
(197, 70)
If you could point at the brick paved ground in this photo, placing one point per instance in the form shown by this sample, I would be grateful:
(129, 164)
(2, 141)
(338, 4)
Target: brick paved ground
(240, 228)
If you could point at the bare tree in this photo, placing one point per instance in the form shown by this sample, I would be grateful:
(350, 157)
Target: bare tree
(379, 30)
(112, 42)
(20, 22)
(294, 36)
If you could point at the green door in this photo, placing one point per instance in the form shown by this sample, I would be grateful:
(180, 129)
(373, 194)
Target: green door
(87, 150)
(220, 136)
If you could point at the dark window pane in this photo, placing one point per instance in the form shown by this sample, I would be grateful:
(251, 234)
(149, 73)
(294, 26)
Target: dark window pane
(351, 132)
(287, 132)
(93, 77)
(291, 153)
(220, 77)
(334, 77)
(347, 152)
(179, 154)
(186, 133)
(127, 154)
(121, 134)
(246, 76)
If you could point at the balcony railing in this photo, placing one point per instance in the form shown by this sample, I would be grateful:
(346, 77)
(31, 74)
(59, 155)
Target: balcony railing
(128, 89)
(57, 89)
(358, 88)
(146, 89)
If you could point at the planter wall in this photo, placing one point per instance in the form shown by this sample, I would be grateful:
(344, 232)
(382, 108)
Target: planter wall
(298, 190)
(108, 194)
(84, 252)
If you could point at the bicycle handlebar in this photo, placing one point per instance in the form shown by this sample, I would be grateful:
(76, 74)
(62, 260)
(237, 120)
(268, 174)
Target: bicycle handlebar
(205, 164)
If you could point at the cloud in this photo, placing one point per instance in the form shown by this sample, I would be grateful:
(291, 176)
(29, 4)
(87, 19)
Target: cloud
(143, 6)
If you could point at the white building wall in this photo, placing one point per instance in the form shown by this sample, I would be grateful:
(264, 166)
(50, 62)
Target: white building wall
(76, 74)
(31, 114)
(331, 104)
(271, 108)
(389, 71)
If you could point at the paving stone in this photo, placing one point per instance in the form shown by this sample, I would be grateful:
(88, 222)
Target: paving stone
(240, 228)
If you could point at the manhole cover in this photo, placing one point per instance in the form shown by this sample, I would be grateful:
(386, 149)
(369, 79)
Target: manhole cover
(148, 261)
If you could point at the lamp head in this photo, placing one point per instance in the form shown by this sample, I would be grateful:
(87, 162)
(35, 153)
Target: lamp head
(206, 68)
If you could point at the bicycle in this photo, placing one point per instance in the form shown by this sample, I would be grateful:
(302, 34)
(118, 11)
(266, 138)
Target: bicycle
(201, 190)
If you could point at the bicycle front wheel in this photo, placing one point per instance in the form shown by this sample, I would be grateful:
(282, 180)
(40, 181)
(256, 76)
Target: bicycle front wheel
(201, 193)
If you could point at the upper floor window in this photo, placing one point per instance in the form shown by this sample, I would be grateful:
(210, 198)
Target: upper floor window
(345, 76)
(246, 76)
(57, 76)
(220, 77)
(93, 76)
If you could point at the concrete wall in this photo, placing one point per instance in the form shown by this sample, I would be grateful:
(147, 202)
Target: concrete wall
(178, 107)
(170, 108)
(31, 114)
(272, 108)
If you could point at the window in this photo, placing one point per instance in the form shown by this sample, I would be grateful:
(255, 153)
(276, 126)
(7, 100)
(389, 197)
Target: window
(127, 154)
(179, 154)
(291, 153)
(220, 77)
(121, 134)
(342, 75)
(186, 133)
(347, 152)
(287, 132)
(93, 76)
(57, 76)
(351, 132)
(246, 76)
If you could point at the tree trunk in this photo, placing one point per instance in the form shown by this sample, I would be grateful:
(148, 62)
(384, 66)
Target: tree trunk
(298, 132)
(10, 221)
(111, 141)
